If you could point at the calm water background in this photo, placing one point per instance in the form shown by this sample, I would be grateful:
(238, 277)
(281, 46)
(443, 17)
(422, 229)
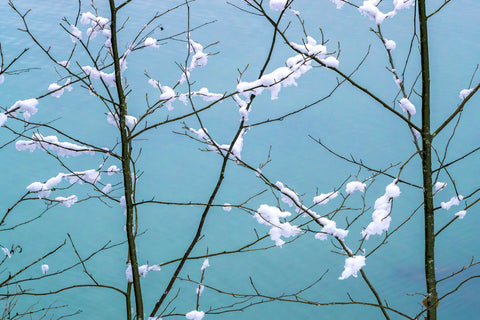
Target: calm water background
(175, 170)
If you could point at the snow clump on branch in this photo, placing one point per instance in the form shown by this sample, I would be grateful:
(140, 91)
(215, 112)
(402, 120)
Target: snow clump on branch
(28, 107)
(325, 197)
(338, 3)
(98, 23)
(96, 74)
(464, 93)
(195, 315)
(352, 266)
(142, 271)
(355, 186)
(45, 268)
(236, 151)
(3, 119)
(270, 216)
(57, 90)
(329, 226)
(439, 186)
(390, 44)
(288, 196)
(51, 143)
(130, 121)
(68, 201)
(454, 201)
(381, 215)
(277, 5)
(461, 214)
(150, 42)
(199, 58)
(44, 189)
(407, 106)
(369, 8)
(76, 34)
(205, 265)
(296, 66)
(7, 252)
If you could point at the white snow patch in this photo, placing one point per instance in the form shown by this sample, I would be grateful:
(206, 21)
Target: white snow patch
(464, 93)
(195, 315)
(45, 268)
(439, 186)
(352, 266)
(355, 186)
(461, 214)
(67, 202)
(76, 34)
(338, 3)
(7, 252)
(277, 5)
(205, 265)
(454, 201)
(150, 42)
(28, 107)
(270, 216)
(390, 44)
(407, 106)
(325, 197)
(3, 119)
(381, 215)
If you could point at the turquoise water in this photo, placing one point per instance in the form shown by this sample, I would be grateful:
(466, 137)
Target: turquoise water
(174, 169)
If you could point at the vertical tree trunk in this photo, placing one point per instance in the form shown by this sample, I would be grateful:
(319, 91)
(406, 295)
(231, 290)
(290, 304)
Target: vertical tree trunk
(427, 167)
(127, 176)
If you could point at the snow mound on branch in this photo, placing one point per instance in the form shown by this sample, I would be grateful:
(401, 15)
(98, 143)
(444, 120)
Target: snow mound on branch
(195, 315)
(68, 201)
(45, 268)
(28, 107)
(205, 265)
(464, 93)
(325, 197)
(57, 90)
(277, 5)
(150, 42)
(130, 121)
(381, 215)
(3, 119)
(296, 66)
(53, 144)
(454, 201)
(236, 151)
(76, 34)
(6, 251)
(288, 196)
(407, 106)
(369, 9)
(338, 3)
(270, 216)
(461, 214)
(355, 186)
(390, 44)
(142, 271)
(352, 266)
(330, 228)
(439, 186)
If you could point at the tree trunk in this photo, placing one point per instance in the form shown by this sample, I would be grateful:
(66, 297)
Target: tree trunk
(127, 176)
(427, 168)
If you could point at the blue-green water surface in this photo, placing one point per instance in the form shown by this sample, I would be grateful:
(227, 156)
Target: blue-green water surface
(174, 169)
